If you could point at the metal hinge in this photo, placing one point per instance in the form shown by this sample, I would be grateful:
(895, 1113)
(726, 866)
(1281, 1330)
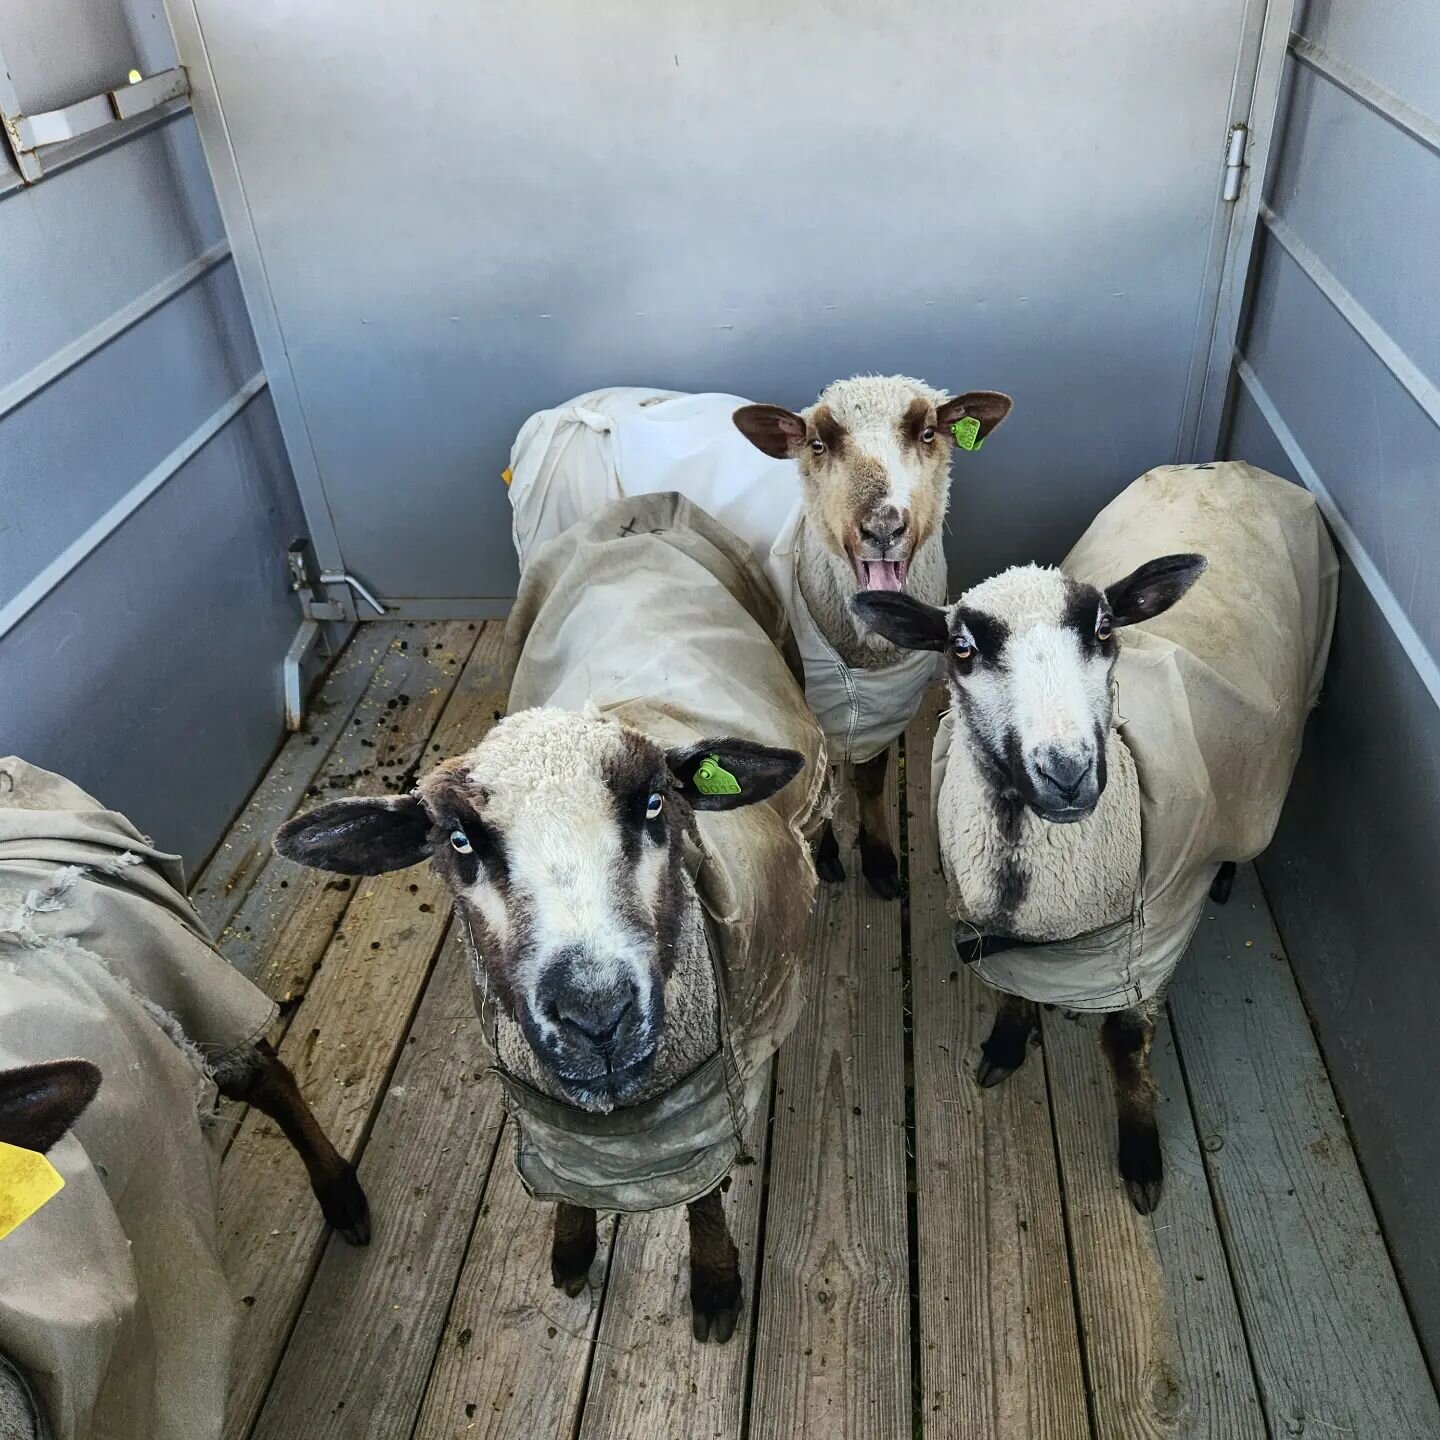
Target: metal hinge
(35, 139)
(1235, 162)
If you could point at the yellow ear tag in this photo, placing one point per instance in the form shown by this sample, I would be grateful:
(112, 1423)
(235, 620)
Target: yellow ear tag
(507, 475)
(27, 1181)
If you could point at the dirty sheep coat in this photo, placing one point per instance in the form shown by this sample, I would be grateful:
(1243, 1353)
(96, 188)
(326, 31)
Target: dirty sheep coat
(1211, 700)
(655, 613)
(113, 1307)
(569, 461)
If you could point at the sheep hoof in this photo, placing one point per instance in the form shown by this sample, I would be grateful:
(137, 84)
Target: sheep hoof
(345, 1207)
(1142, 1167)
(989, 1073)
(1223, 883)
(828, 865)
(572, 1285)
(878, 865)
(714, 1305)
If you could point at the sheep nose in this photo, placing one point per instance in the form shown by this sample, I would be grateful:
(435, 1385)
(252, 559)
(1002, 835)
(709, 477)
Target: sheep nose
(1066, 770)
(596, 1019)
(885, 526)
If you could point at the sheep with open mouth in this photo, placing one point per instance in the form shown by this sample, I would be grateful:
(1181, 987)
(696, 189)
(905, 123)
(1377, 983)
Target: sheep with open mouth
(872, 460)
(629, 856)
(1121, 728)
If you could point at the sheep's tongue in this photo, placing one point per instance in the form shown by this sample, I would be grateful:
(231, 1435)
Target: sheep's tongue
(882, 574)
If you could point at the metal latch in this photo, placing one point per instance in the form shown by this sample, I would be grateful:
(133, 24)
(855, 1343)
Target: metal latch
(30, 135)
(306, 579)
(1234, 162)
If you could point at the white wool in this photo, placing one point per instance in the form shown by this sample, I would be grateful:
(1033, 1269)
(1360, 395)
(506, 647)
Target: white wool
(864, 401)
(1077, 877)
(1080, 876)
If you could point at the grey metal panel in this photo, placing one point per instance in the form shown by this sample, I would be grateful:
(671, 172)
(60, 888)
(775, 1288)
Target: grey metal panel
(1340, 366)
(78, 446)
(61, 51)
(1376, 451)
(1342, 179)
(91, 237)
(1396, 42)
(152, 676)
(468, 212)
(1351, 879)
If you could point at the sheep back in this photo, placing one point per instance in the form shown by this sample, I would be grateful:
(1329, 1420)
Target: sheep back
(115, 1286)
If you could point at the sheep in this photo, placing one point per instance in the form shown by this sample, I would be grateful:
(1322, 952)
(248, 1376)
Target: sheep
(1094, 782)
(873, 457)
(628, 854)
(102, 955)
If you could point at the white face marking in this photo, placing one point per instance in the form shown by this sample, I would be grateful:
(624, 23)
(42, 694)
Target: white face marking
(543, 775)
(1046, 690)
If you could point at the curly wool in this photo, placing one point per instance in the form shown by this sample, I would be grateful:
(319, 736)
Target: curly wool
(1077, 878)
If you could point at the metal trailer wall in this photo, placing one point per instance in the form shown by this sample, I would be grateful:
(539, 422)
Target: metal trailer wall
(147, 668)
(449, 216)
(1338, 386)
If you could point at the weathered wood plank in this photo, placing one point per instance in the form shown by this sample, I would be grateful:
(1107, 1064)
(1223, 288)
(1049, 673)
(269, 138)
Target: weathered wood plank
(341, 1046)
(1163, 1341)
(833, 1329)
(1332, 1343)
(280, 930)
(650, 1377)
(357, 1363)
(516, 1351)
(999, 1352)
(223, 883)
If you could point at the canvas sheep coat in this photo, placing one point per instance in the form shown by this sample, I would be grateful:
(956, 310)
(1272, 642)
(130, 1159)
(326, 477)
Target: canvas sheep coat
(1211, 700)
(113, 1306)
(653, 612)
(569, 461)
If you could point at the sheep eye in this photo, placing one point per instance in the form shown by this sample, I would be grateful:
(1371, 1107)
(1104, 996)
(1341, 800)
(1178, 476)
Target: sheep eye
(964, 650)
(928, 434)
(654, 805)
(818, 446)
(460, 842)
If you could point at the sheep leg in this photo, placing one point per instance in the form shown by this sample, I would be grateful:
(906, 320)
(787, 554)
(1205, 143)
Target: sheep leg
(264, 1081)
(828, 865)
(1004, 1052)
(573, 1250)
(714, 1271)
(877, 858)
(1223, 883)
(1125, 1037)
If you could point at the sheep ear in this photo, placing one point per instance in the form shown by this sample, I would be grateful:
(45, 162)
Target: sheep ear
(1153, 588)
(726, 774)
(779, 433)
(902, 619)
(359, 836)
(39, 1103)
(989, 407)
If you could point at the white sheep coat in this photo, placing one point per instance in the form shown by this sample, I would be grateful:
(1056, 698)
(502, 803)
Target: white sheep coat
(653, 612)
(112, 1299)
(1211, 700)
(569, 461)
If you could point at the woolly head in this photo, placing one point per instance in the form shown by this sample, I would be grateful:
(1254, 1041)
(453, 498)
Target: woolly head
(1029, 658)
(874, 459)
(560, 838)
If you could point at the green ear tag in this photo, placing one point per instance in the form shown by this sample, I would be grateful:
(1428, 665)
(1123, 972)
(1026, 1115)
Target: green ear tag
(712, 778)
(967, 433)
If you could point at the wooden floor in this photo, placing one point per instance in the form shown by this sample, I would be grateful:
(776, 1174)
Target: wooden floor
(920, 1257)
